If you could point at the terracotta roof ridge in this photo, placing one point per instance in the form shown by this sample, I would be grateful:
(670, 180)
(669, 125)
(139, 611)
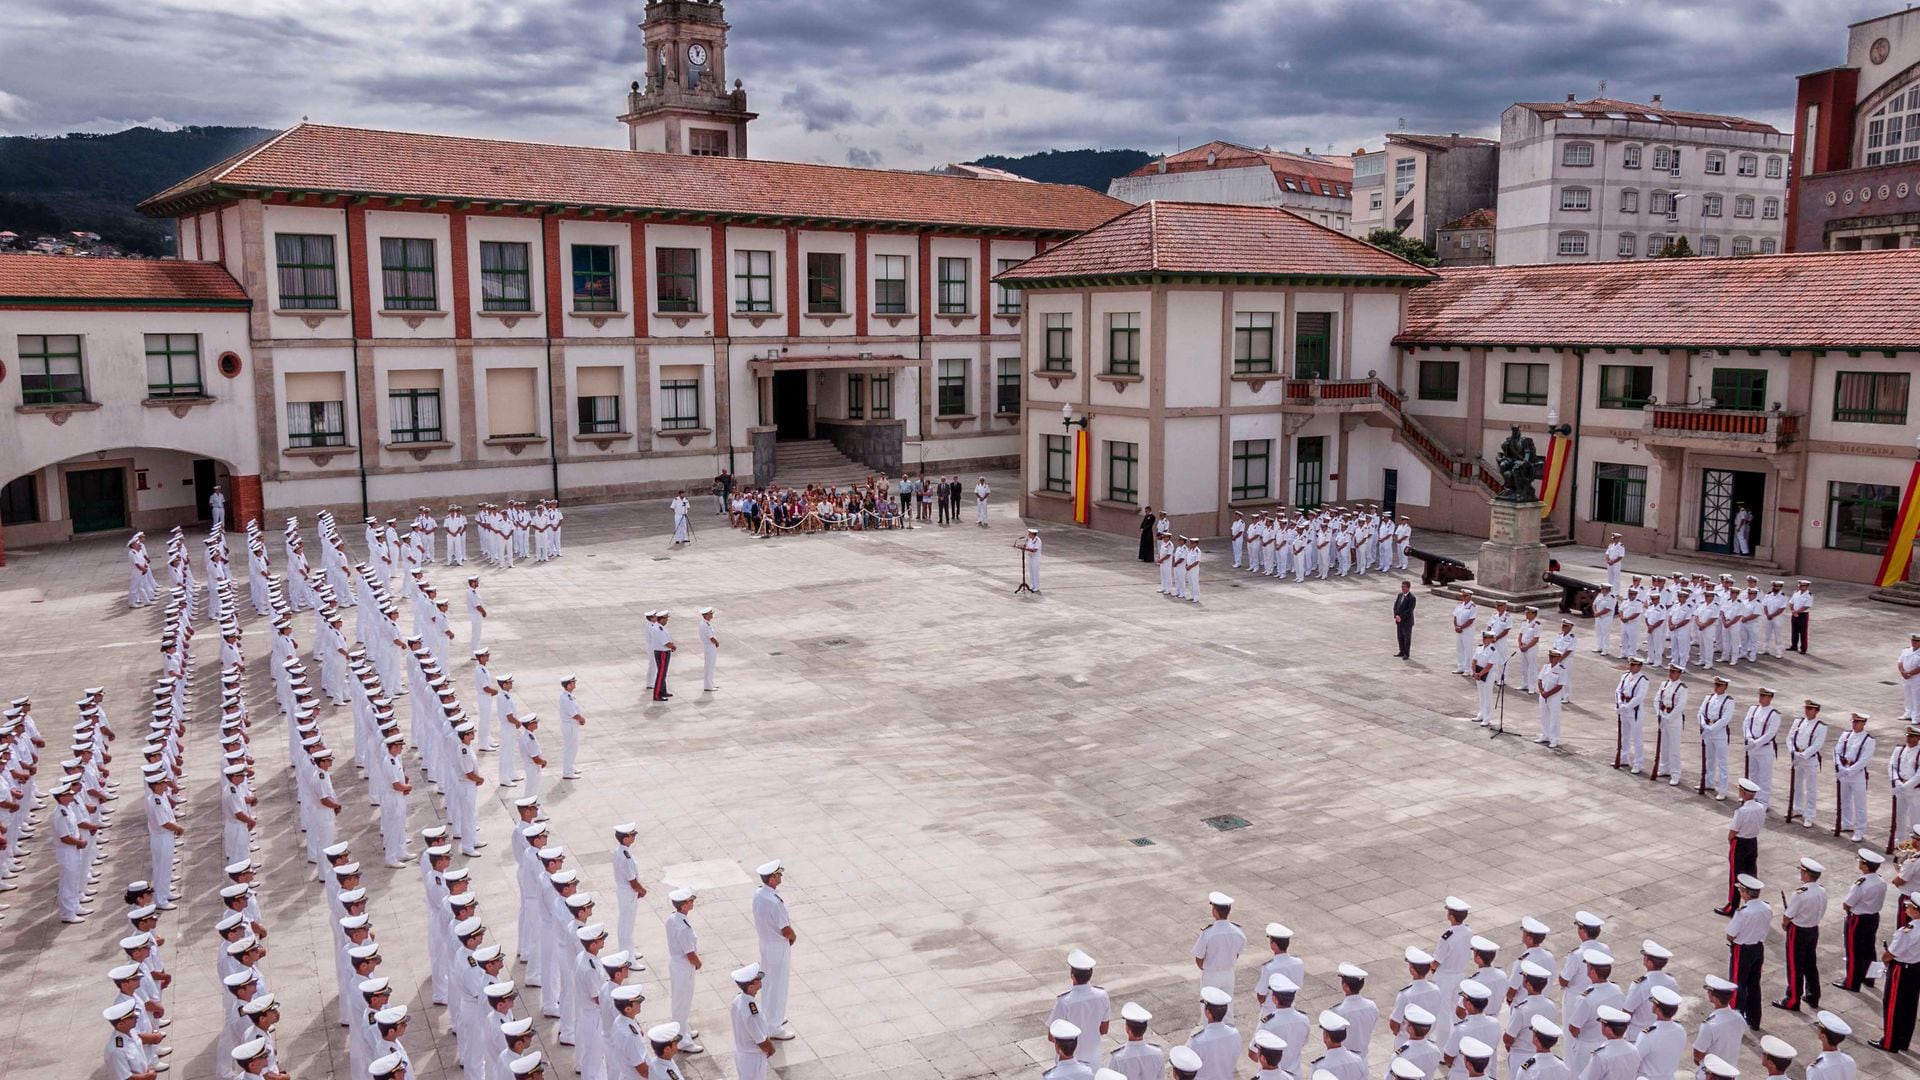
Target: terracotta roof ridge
(212, 173)
(1153, 234)
(613, 151)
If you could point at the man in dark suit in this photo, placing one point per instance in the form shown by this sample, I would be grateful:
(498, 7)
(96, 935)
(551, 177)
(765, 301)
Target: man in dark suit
(1403, 617)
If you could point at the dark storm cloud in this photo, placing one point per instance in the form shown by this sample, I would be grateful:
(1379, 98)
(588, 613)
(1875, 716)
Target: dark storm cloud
(909, 83)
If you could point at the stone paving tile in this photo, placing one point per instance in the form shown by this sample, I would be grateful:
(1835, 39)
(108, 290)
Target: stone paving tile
(953, 775)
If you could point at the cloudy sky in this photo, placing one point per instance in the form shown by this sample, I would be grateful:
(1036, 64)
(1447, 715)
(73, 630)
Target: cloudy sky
(907, 83)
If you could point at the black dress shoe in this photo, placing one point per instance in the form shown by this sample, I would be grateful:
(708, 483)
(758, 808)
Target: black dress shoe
(1784, 1005)
(1841, 983)
(1723, 911)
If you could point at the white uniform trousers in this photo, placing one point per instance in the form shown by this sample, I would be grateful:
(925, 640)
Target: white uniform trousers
(1806, 788)
(1633, 745)
(1630, 638)
(680, 996)
(1853, 803)
(1760, 771)
(1668, 764)
(627, 904)
(777, 961)
(160, 850)
(1550, 718)
(73, 879)
(1485, 686)
(393, 824)
(1166, 578)
(711, 655)
(569, 746)
(1463, 650)
(1716, 758)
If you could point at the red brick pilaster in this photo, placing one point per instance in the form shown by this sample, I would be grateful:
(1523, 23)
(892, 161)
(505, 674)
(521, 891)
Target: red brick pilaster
(860, 283)
(247, 504)
(555, 298)
(794, 273)
(462, 290)
(986, 282)
(719, 260)
(926, 283)
(357, 273)
(642, 298)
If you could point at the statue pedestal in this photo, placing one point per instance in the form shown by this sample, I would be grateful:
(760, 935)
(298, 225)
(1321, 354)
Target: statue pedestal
(1513, 560)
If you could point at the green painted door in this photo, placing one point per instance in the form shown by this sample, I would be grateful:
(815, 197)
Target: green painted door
(97, 499)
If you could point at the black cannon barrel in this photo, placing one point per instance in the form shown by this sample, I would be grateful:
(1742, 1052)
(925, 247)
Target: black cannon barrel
(1440, 569)
(1576, 595)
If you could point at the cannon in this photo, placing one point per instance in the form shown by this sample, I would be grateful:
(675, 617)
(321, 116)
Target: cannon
(1575, 595)
(1440, 569)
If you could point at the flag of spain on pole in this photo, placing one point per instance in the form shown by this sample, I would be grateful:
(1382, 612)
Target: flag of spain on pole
(1082, 475)
(1893, 565)
(1553, 473)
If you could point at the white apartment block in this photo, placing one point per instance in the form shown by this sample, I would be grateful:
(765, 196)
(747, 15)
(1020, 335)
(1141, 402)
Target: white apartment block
(1599, 180)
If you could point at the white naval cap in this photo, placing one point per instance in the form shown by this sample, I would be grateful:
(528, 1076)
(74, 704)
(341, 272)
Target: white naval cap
(1531, 970)
(1475, 989)
(1870, 856)
(517, 1028)
(1534, 926)
(1108, 1074)
(370, 987)
(1267, 1040)
(1184, 1059)
(123, 972)
(1720, 985)
(1656, 950)
(1418, 957)
(1219, 899)
(1483, 944)
(681, 895)
(500, 989)
(628, 992)
(1610, 1015)
(1079, 961)
(118, 1011)
(1213, 995)
(486, 954)
(362, 952)
(1748, 881)
(743, 975)
(1332, 1021)
(1279, 930)
(1589, 920)
(136, 941)
(769, 868)
(1352, 971)
(1544, 1024)
(589, 932)
(1135, 1012)
(664, 1033)
(1833, 1023)
(626, 828)
(1454, 903)
(253, 1048)
(391, 1015)
(1279, 983)
(1417, 1015)
(470, 926)
(1596, 958)
(1063, 1029)
(1776, 1047)
(1718, 1067)
(1812, 866)
(238, 979)
(1402, 1069)
(385, 1066)
(1749, 786)
(1665, 995)
(1474, 1048)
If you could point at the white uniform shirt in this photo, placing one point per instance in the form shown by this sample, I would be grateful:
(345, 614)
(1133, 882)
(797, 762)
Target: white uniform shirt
(1219, 945)
(1086, 1007)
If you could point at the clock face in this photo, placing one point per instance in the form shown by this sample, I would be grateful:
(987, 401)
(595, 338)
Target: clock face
(697, 54)
(1877, 52)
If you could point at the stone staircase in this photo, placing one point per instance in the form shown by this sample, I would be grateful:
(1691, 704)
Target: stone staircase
(799, 462)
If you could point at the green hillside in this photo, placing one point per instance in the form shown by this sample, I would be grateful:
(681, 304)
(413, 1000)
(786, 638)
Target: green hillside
(71, 182)
(1087, 168)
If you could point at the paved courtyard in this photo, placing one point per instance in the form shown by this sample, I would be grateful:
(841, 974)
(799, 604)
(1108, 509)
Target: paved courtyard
(963, 784)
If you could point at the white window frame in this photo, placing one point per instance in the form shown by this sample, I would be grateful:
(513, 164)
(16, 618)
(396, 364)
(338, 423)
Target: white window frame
(1628, 246)
(1630, 201)
(1716, 163)
(1743, 206)
(1709, 245)
(1572, 242)
(1630, 156)
(1770, 209)
(1749, 165)
(1576, 199)
(1577, 155)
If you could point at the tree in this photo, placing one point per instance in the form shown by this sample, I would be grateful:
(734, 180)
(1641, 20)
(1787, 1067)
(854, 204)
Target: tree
(1676, 248)
(1414, 251)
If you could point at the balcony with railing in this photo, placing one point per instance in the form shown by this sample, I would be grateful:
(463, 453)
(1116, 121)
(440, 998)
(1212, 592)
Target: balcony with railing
(1709, 427)
(1338, 396)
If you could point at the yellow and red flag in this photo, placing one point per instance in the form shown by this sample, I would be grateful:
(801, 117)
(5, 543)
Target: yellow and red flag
(1893, 565)
(1554, 471)
(1082, 476)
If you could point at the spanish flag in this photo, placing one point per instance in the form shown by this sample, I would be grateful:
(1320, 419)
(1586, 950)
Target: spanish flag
(1893, 565)
(1082, 475)
(1558, 451)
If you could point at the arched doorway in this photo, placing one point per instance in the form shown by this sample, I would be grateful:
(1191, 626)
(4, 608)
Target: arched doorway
(112, 491)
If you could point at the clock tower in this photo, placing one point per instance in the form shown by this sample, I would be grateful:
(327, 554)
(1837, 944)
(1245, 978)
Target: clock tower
(684, 104)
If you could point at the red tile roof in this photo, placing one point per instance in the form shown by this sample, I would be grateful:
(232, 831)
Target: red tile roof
(1225, 155)
(1215, 238)
(28, 279)
(1439, 143)
(1604, 108)
(1818, 300)
(1483, 218)
(360, 161)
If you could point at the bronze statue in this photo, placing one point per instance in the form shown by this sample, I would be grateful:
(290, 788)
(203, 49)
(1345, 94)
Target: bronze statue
(1520, 466)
